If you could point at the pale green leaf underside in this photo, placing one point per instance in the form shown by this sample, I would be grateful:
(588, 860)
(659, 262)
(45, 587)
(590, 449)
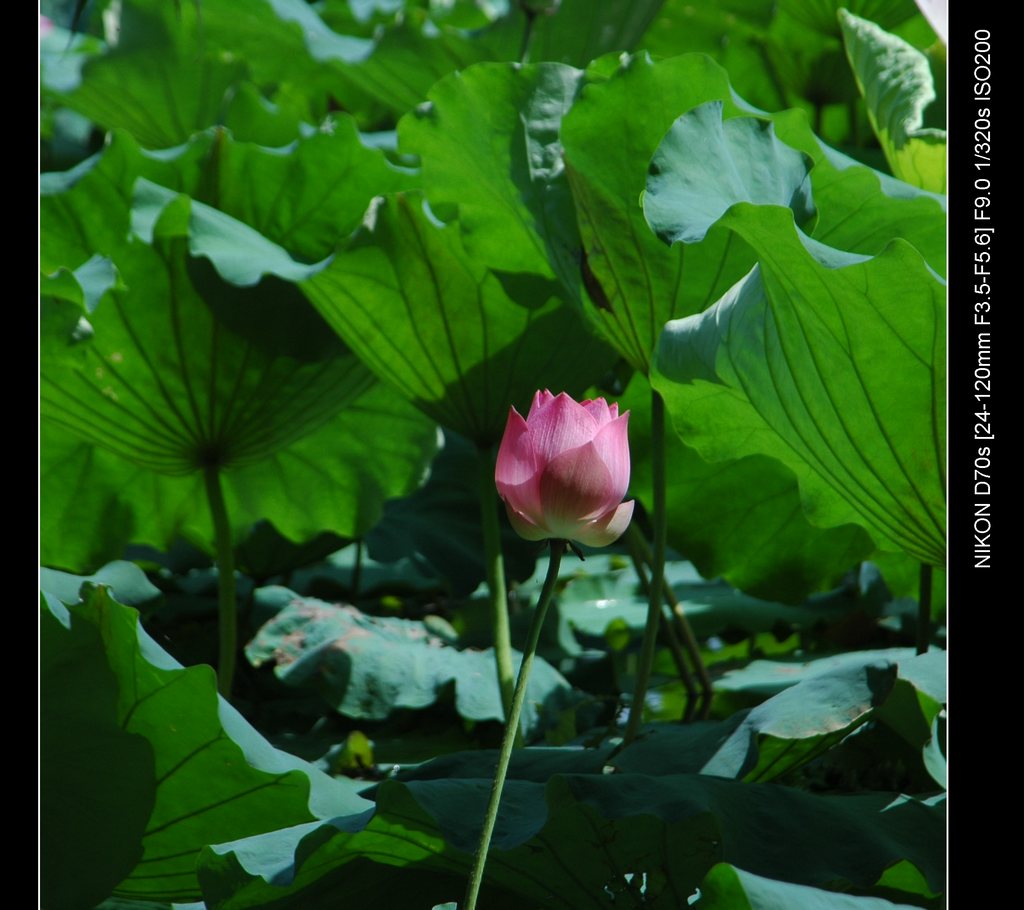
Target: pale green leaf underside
(710, 164)
(730, 888)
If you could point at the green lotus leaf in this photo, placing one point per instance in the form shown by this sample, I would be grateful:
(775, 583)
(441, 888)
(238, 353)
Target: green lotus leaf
(175, 370)
(636, 283)
(489, 145)
(453, 337)
(844, 384)
(144, 764)
(667, 831)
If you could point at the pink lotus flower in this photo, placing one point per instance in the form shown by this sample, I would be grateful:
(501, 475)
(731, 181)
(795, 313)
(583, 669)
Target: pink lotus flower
(562, 472)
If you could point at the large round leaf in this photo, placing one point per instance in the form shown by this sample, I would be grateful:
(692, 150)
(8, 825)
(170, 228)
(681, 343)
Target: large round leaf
(831, 362)
(801, 363)
(159, 379)
(162, 363)
(570, 842)
(189, 770)
(450, 335)
(740, 520)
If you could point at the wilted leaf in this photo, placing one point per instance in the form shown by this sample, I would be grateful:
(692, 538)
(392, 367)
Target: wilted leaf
(368, 666)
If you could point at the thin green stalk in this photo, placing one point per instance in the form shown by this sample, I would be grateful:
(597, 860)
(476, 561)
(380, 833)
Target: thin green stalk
(682, 625)
(636, 544)
(476, 877)
(675, 648)
(524, 47)
(773, 75)
(658, 519)
(357, 569)
(691, 646)
(227, 617)
(854, 124)
(924, 609)
(494, 566)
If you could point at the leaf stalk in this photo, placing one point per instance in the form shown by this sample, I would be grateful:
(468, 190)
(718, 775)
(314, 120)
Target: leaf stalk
(659, 521)
(924, 608)
(227, 613)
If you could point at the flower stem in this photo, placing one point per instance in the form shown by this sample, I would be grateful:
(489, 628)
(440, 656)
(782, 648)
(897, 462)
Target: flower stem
(227, 617)
(495, 570)
(512, 727)
(924, 608)
(659, 521)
